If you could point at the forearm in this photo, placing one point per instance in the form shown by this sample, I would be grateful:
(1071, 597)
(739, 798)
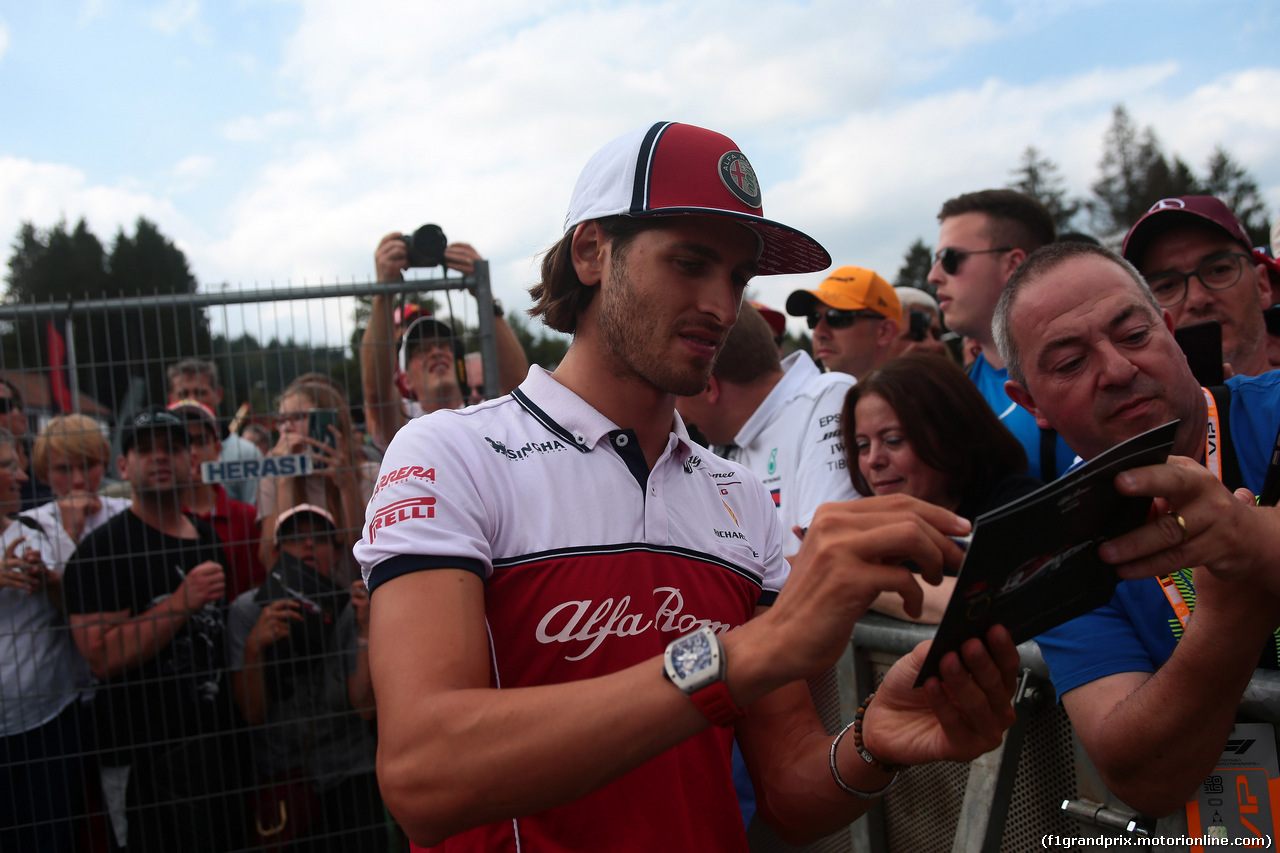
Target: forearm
(1161, 741)
(360, 682)
(463, 758)
(114, 648)
(513, 363)
(799, 799)
(377, 373)
(249, 689)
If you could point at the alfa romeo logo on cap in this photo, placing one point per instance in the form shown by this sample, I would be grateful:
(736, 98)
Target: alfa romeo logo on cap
(740, 178)
(1167, 203)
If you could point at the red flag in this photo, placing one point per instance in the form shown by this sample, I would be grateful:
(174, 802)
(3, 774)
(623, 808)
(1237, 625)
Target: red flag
(56, 343)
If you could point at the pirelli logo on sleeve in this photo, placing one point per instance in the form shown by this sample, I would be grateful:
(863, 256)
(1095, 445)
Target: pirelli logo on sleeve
(394, 513)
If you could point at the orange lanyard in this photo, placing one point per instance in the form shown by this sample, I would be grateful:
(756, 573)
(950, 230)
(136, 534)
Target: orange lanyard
(1213, 462)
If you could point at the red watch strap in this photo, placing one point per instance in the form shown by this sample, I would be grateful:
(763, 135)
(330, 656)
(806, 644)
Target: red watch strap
(716, 704)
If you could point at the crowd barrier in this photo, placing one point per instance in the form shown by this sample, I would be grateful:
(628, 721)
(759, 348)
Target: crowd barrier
(108, 363)
(1039, 783)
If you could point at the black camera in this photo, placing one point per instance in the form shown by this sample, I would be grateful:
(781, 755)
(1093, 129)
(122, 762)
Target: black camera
(426, 246)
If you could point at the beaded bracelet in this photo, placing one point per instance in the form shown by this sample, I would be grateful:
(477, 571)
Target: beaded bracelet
(870, 759)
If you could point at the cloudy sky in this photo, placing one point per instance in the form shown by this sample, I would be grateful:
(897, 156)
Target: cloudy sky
(277, 140)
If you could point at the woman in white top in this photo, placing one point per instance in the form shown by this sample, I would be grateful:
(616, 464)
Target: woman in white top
(41, 674)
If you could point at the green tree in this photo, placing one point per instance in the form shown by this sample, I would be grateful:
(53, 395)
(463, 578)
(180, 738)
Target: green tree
(1229, 181)
(914, 271)
(1038, 177)
(56, 266)
(542, 346)
(1135, 175)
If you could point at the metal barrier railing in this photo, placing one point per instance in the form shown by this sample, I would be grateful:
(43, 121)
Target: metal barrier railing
(1040, 782)
(78, 755)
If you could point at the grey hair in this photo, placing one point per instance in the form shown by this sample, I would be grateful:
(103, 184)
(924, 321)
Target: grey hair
(1038, 264)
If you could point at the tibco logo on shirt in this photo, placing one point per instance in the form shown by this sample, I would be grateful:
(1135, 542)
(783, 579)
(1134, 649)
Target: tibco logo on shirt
(585, 621)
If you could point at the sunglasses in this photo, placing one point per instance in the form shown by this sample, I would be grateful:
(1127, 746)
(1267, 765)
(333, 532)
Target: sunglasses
(950, 258)
(922, 327)
(838, 319)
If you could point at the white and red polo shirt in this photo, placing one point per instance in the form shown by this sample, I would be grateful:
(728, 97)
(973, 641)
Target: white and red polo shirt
(592, 563)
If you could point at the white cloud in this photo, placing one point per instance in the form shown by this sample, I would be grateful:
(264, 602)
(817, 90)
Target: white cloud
(45, 193)
(172, 16)
(478, 117)
(259, 128)
(191, 171)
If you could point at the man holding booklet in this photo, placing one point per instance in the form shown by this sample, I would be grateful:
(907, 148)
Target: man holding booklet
(1151, 681)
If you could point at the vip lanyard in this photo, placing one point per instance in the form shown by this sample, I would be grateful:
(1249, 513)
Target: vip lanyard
(1212, 461)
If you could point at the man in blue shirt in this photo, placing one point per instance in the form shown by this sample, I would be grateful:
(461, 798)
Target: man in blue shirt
(984, 237)
(1151, 687)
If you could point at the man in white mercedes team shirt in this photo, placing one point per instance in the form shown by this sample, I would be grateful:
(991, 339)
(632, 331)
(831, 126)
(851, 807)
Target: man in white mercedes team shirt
(780, 419)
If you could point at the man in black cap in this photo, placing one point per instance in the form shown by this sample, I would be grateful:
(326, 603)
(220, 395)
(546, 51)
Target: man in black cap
(145, 597)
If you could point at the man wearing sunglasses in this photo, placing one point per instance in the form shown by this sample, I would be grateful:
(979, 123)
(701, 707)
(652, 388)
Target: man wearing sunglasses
(1196, 256)
(921, 324)
(855, 316)
(984, 237)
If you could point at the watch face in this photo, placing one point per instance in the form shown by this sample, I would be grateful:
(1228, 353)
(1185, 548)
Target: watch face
(691, 655)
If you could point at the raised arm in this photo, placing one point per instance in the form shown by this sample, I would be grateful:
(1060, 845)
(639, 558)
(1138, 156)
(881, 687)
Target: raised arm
(513, 363)
(382, 407)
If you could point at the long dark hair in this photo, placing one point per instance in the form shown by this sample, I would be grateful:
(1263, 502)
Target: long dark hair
(561, 296)
(949, 424)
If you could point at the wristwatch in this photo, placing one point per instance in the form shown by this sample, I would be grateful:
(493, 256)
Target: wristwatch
(696, 664)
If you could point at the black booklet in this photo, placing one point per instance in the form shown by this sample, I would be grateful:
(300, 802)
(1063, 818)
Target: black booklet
(1033, 564)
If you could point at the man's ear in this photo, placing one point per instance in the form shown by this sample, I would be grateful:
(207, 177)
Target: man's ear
(1018, 394)
(887, 332)
(712, 390)
(1012, 260)
(1265, 292)
(122, 465)
(589, 249)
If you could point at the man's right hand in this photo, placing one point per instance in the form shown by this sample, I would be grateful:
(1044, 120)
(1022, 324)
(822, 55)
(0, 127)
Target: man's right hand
(75, 508)
(205, 583)
(391, 257)
(853, 551)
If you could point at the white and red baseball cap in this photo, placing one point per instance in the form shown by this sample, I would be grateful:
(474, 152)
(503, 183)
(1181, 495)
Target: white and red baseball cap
(669, 169)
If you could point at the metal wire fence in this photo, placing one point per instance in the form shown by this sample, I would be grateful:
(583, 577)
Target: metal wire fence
(183, 651)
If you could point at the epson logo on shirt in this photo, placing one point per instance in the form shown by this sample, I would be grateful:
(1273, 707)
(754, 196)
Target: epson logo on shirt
(529, 447)
(394, 513)
(584, 621)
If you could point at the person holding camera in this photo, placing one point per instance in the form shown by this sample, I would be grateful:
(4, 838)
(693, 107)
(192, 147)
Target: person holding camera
(314, 418)
(431, 358)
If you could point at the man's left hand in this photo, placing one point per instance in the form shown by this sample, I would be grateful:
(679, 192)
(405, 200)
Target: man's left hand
(957, 718)
(1222, 531)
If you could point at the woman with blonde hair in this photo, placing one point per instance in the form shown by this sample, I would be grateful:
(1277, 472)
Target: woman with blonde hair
(71, 454)
(341, 480)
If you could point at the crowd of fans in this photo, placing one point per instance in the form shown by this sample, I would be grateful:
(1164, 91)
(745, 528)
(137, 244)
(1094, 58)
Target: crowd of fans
(185, 664)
